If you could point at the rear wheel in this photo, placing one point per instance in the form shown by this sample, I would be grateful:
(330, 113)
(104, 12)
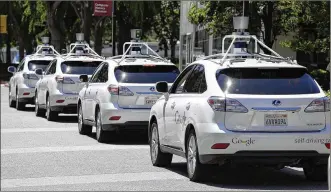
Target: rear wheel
(38, 111)
(50, 115)
(315, 172)
(83, 128)
(196, 171)
(158, 158)
(10, 99)
(19, 105)
(102, 135)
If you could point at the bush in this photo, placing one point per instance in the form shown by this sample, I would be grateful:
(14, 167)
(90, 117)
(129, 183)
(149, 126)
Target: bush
(322, 77)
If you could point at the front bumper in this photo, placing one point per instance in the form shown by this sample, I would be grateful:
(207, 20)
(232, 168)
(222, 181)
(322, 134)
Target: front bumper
(295, 144)
(129, 118)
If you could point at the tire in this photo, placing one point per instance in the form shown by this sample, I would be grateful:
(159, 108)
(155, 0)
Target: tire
(39, 112)
(50, 115)
(158, 158)
(315, 172)
(19, 105)
(83, 129)
(197, 172)
(103, 136)
(10, 100)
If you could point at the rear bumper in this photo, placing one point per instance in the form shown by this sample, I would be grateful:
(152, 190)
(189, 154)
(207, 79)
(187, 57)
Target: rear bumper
(64, 100)
(129, 118)
(26, 94)
(68, 109)
(297, 144)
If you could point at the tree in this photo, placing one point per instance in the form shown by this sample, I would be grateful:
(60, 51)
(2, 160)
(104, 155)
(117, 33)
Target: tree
(166, 26)
(54, 18)
(83, 9)
(309, 20)
(264, 16)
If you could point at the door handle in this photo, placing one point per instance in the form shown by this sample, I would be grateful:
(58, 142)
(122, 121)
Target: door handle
(173, 105)
(188, 106)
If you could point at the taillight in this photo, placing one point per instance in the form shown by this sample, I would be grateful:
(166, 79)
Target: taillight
(228, 105)
(327, 145)
(319, 105)
(123, 91)
(30, 76)
(64, 80)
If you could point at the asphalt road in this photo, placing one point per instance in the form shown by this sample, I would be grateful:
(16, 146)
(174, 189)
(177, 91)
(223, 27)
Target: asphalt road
(41, 155)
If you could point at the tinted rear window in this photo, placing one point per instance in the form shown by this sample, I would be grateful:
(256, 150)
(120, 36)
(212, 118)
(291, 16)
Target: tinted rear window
(266, 81)
(146, 74)
(33, 65)
(79, 67)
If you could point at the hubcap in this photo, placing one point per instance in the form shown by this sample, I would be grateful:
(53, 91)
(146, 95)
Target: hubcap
(48, 108)
(154, 144)
(36, 104)
(191, 155)
(98, 125)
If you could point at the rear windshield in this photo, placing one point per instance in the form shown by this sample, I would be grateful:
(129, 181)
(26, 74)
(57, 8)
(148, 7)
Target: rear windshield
(42, 64)
(256, 81)
(146, 74)
(79, 67)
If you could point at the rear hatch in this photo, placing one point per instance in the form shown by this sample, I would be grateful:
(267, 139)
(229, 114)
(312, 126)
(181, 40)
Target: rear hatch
(69, 82)
(30, 77)
(136, 88)
(272, 100)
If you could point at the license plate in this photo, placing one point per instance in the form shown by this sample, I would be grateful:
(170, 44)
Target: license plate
(275, 120)
(71, 98)
(151, 100)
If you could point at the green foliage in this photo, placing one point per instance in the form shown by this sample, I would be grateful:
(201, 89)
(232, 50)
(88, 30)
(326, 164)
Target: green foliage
(327, 93)
(322, 77)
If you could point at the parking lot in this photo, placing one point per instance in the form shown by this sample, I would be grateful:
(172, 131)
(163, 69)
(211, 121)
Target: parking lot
(40, 155)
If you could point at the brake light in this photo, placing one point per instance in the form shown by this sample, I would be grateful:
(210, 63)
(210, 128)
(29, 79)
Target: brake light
(119, 90)
(319, 105)
(220, 146)
(64, 80)
(226, 105)
(30, 76)
(327, 145)
(114, 118)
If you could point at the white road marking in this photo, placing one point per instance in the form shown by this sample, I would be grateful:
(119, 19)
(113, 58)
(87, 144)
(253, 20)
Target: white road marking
(23, 130)
(100, 147)
(88, 179)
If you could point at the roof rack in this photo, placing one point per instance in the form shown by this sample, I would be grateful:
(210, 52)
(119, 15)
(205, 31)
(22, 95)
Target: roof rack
(45, 49)
(81, 48)
(240, 41)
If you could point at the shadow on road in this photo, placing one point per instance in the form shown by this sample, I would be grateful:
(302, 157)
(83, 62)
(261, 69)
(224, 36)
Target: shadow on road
(261, 178)
(127, 138)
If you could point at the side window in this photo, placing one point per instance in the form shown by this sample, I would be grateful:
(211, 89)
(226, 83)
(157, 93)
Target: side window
(96, 74)
(21, 65)
(179, 83)
(103, 75)
(196, 80)
(52, 68)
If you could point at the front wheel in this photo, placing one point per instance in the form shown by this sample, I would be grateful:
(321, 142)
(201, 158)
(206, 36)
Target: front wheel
(83, 128)
(158, 158)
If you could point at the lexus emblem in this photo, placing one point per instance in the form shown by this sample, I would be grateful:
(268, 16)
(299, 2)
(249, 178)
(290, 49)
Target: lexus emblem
(276, 102)
(152, 89)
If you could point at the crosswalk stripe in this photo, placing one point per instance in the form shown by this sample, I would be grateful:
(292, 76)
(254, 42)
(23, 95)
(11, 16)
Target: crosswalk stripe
(101, 147)
(89, 179)
(23, 130)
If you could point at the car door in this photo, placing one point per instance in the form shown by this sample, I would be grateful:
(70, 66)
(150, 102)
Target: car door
(46, 79)
(40, 87)
(188, 103)
(88, 113)
(171, 113)
(17, 78)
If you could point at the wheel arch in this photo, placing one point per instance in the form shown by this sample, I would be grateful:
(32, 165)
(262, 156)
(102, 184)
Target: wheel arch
(189, 128)
(151, 121)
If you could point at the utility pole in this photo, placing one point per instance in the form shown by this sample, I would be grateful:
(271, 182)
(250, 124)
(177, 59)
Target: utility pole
(113, 35)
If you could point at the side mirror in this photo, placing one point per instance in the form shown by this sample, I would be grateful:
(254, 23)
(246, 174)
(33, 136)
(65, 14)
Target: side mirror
(39, 71)
(83, 78)
(162, 87)
(11, 69)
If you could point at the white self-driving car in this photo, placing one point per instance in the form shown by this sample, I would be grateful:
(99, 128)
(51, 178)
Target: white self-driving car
(245, 108)
(22, 83)
(57, 90)
(121, 92)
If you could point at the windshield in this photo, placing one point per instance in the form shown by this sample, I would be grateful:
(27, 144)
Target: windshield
(42, 64)
(283, 81)
(79, 67)
(146, 74)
